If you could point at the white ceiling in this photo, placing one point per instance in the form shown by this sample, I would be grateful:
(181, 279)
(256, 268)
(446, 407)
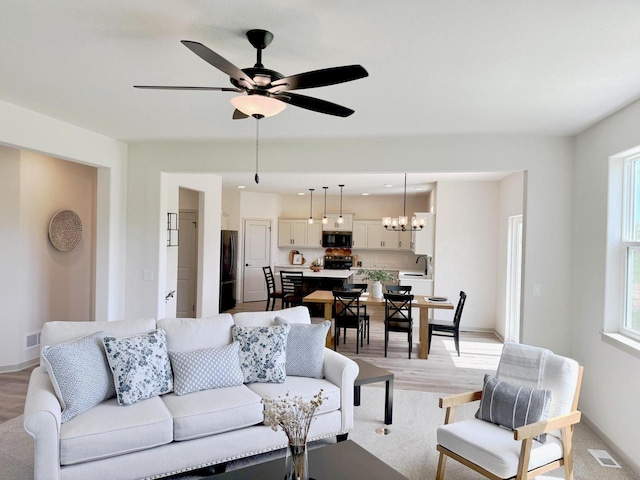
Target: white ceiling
(435, 67)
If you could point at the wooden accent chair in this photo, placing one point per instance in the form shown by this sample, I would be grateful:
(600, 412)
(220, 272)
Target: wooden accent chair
(501, 453)
(397, 317)
(272, 293)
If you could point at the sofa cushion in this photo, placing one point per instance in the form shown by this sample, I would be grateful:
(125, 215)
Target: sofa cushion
(79, 373)
(262, 352)
(59, 332)
(108, 429)
(513, 406)
(213, 411)
(305, 348)
(264, 319)
(206, 368)
(304, 387)
(140, 366)
(184, 334)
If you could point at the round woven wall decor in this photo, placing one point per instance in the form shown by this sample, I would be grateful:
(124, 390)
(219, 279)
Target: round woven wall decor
(65, 230)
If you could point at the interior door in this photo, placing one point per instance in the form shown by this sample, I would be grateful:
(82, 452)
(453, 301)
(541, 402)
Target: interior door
(257, 254)
(187, 265)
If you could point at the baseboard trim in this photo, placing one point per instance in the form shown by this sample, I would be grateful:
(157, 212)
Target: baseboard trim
(630, 462)
(20, 366)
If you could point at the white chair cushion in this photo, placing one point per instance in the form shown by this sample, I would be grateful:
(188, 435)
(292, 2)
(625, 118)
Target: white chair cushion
(209, 412)
(186, 334)
(493, 447)
(109, 429)
(302, 386)
(265, 319)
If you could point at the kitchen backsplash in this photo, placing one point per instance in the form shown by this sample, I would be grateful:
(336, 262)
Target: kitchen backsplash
(369, 259)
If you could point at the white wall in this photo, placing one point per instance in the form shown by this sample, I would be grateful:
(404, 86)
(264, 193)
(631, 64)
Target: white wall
(466, 250)
(548, 161)
(610, 389)
(24, 129)
(510, 203)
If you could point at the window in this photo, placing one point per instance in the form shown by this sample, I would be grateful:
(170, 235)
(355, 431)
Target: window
(630, 324)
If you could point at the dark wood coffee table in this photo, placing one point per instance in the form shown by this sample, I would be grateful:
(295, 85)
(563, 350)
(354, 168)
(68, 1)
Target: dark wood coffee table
(369, 373)
(340, 461)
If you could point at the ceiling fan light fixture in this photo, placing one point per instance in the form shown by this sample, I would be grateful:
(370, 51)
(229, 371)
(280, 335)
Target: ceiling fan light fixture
(258, 105)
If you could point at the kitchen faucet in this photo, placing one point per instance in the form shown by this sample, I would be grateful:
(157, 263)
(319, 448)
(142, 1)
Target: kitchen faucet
(426, 263)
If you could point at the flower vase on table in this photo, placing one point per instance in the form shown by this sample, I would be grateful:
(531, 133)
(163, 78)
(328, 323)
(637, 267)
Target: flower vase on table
(377, 276)
(293, 415)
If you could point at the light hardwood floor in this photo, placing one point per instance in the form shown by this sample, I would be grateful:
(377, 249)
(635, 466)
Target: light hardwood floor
(442, 372)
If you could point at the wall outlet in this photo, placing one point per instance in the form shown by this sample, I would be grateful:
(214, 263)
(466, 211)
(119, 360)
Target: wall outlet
(536, 290)
(147, 275)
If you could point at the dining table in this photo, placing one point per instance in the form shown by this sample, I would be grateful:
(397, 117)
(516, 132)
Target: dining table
(423, 303)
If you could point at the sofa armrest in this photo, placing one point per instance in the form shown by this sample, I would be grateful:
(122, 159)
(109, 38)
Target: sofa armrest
(342, 371)
(42, 412)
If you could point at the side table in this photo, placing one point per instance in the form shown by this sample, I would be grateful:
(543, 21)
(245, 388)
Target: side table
(369, 373)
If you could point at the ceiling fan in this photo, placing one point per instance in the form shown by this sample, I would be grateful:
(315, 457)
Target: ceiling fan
(267, 92)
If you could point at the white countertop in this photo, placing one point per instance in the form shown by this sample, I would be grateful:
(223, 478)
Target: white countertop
(308, 273)
(414, 275)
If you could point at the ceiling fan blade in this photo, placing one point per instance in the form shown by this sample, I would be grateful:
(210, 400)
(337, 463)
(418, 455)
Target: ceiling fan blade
(238, 115)
(167, 87)
(217, 61)
(314, 104)
(321, 78)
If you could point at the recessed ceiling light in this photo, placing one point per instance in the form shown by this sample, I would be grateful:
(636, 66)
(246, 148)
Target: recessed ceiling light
(365, 194)
(240, 186)
(418, 188)
(388, 185)
(301, 194)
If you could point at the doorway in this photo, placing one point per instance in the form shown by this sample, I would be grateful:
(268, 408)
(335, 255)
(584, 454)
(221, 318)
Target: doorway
(257, 254)
(187, 264)
(514, 279)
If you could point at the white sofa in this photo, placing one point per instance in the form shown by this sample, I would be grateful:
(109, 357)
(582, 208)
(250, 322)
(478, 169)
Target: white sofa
(170, 434)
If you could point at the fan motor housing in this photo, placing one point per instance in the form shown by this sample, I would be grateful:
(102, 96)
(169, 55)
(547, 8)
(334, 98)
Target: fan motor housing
(260, 76)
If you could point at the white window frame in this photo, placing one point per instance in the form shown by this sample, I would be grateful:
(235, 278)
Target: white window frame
(627, 242)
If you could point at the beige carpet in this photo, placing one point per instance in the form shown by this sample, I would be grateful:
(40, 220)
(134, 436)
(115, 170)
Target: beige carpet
(409, 448)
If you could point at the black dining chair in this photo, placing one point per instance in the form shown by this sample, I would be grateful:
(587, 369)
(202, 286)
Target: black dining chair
(404, 289)
(348, 314)
(363, 288)
(272, 293)
(397, 317)
(291, 287)
(449, 328)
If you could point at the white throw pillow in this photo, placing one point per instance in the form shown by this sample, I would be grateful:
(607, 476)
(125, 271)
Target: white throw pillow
(305, 348)
(80, 374)
(206, 369)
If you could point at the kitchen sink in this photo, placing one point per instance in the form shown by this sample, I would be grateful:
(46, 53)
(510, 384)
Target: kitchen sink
(413, 275)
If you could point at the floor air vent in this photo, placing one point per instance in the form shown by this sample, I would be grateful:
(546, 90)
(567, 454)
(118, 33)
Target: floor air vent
(603, 458)
(33, 339)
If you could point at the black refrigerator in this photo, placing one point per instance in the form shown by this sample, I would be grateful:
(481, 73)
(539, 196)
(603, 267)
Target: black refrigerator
(228, 269)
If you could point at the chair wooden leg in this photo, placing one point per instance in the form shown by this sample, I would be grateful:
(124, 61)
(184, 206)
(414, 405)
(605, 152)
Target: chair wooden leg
(442, 461)
(567, 455)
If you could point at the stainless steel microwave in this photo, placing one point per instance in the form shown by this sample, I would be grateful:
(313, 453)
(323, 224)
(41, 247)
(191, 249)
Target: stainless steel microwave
(336, 239)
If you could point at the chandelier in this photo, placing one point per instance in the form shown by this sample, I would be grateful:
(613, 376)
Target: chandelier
(402, 223)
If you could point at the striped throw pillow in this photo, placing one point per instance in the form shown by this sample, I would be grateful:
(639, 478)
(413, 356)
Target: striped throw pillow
(513, 406)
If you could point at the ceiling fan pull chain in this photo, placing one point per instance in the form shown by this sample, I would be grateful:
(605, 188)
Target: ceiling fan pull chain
(257, 178)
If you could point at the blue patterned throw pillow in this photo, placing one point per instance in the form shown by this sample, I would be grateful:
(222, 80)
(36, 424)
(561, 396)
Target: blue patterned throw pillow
(206, 369)
(79, 373)
(262, 352)
(140, 366)
(305, 348)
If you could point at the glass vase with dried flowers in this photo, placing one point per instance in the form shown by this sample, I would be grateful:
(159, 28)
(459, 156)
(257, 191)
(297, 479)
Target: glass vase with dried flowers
(294, 416)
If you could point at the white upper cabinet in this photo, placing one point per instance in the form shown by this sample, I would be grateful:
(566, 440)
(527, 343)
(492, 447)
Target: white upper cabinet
(423, 241)
(314, 233)
(360, 234)
(333, 226)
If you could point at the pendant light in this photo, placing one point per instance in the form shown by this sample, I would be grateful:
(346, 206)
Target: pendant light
(311, 206)
(401, 223)
(340, 219)
(325, 220)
